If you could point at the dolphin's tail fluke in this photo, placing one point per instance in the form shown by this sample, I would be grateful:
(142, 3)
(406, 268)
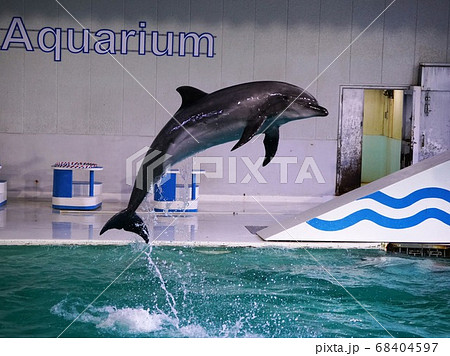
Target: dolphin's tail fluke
(129, 221)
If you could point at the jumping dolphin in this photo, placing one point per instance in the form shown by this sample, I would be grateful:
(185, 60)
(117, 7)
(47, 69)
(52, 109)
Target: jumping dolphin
(204, 120)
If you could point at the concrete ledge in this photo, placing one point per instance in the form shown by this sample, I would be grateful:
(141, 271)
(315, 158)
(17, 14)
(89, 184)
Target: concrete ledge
(290, 245)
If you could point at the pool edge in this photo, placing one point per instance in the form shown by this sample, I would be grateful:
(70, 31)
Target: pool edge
(312, 245)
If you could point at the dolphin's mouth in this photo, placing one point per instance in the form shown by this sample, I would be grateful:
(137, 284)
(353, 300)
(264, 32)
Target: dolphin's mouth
(320, 110)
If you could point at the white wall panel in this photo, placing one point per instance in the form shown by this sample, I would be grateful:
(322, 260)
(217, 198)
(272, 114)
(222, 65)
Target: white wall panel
(11, 92)
(74, 94)
(28, 150)
(91, 99)
(366, 52)
(432, 30)
(237, 52)
(107, 14)
(302, 55)
(106, 74)
(139, 107)
(11, 8)
(139, 104)
(302, 58)
(106, 95)
(40, 94)
(80, 10)
(40, 114)
(270, 40)
(399, 43)
(73, 84)
(448, 37)
(38, 13)
(172, 72)
(11, 84)
(335, 36)
(206, 17)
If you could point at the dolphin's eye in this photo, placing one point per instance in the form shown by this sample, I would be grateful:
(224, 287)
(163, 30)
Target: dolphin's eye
(285, 97)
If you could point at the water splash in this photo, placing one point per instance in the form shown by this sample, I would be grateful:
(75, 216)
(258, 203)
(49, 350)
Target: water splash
(134, 320)
(169, 297)
(186, 177)
(150, 218)
(109, 318)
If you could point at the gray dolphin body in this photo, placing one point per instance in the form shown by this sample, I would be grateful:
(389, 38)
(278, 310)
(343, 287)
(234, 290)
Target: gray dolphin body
(204, 120)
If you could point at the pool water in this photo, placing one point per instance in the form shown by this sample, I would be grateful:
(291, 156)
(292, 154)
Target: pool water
(220, 292)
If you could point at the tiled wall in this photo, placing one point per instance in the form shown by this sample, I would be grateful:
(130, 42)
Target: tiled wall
(293, 41)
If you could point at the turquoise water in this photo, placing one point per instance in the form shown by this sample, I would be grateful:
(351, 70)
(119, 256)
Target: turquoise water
(220, 292)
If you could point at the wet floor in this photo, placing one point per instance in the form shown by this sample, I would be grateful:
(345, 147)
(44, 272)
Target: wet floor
(232, 223)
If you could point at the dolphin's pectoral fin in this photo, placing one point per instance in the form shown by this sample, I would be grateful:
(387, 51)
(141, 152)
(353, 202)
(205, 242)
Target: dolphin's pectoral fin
(190, 95)
(271, 138)
(250, 130)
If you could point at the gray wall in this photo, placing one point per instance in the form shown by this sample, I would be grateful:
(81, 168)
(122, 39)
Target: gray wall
(87, 108)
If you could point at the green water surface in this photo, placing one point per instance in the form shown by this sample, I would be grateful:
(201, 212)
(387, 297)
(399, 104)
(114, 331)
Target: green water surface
(220, 292)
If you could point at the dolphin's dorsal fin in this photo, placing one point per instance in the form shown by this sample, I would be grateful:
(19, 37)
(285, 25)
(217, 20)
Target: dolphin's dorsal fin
(190, 95)
(271, 138)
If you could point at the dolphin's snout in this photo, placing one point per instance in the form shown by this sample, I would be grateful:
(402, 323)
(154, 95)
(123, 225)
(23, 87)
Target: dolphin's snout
(324, 111)
(320, 110)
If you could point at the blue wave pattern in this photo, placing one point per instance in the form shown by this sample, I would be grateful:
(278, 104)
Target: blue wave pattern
(396, 203)
(384, 221)
(399, 203)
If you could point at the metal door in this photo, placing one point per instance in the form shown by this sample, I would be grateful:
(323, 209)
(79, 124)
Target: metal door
(433, 126)
(434, 123)
(350, 133)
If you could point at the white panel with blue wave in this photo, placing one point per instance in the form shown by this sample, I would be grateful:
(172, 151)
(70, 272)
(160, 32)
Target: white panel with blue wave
(390, 212)
(416, 208)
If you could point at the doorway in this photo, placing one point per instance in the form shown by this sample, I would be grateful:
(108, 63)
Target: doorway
(374, 137)
(382, 133)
